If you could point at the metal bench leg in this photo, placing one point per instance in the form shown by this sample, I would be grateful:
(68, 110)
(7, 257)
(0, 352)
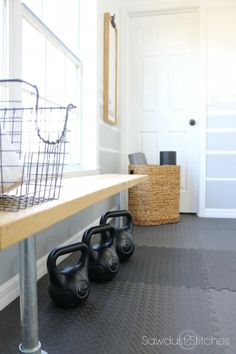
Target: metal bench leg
(119, 201)
(30, 343)
(119, 206)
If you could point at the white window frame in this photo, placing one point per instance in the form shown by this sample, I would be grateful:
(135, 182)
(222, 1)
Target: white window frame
(89, 97)
(4, 43)
(89, 77)
(39, 26)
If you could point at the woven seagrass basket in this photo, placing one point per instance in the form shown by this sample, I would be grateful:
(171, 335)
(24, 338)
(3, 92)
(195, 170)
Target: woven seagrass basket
(155, 201)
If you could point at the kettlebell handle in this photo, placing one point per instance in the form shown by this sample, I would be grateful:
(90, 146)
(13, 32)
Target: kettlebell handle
(101, 229)
(116, 214)
(61, 251)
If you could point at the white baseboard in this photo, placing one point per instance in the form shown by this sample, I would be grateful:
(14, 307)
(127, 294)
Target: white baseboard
(220, 213)
(10, 290)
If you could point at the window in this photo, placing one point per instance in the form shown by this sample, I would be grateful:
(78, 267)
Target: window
(61, 16)
(50, 60)
(3, 39)
(47, 40)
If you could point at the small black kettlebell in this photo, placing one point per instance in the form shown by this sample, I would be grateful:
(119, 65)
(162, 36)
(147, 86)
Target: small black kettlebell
(103, 260)
(69, 286)
(124, 240)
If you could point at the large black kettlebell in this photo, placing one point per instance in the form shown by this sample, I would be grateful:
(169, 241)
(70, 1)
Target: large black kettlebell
(103, 260)
(124, 240)
(68, 286)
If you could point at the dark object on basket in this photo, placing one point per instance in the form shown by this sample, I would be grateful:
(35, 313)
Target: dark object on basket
(124, 240)
(167, 157)
(68, 286)
(103, 260)
(137, 158)
(32, 146)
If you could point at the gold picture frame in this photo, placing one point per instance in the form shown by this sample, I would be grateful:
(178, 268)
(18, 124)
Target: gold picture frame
(110, 70)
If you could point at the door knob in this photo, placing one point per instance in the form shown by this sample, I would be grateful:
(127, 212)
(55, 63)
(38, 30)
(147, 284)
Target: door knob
(192, 122)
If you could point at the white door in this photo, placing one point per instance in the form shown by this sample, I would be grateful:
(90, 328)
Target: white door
(164, 94)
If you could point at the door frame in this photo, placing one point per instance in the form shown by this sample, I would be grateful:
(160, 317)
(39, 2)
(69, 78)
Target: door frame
(127, 14)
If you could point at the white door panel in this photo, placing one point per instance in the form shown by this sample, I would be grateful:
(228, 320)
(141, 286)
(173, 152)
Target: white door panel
(164, 94)
(149, 143)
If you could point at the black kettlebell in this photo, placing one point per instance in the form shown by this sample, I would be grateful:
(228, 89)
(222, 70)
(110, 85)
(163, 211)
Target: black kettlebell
(69, 286)
(124, 240)
(103, 260)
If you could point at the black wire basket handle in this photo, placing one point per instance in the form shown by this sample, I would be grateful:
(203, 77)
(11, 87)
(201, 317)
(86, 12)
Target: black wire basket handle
(36, 108)
(63, 132)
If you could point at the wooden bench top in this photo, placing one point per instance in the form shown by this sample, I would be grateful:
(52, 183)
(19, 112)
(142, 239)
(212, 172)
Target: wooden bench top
(76, 194)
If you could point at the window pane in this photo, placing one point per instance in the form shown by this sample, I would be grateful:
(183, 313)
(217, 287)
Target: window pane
(55, 74)
(1, 37)
(33, 57)
(35, 6)
(74, 139)
(3, 40)
(72, 78)
(61, 17)
(46, 64)
(70, 22)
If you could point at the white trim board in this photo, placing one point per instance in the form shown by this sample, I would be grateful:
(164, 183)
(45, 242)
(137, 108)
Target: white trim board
(109, 150)
(219, 213)
(10, 290)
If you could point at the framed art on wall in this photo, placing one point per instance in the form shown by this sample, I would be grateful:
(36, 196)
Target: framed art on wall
(110, 70)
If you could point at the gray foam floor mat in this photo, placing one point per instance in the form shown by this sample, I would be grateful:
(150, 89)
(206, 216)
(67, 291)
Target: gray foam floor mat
(172, 285)
(190, 232)
(122, 317)
(151, 265)
(218, 240)
(220, 269)
(207, 269)
(224, 304)
(164, 236)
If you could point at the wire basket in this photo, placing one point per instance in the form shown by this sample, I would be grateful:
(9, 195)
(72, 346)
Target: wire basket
(32, 146)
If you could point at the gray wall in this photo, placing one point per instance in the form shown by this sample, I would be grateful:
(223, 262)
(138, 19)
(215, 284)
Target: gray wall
(109, 135)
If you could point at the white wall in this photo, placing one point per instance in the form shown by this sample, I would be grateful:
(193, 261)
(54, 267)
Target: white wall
(221, 110)
(218, 122)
